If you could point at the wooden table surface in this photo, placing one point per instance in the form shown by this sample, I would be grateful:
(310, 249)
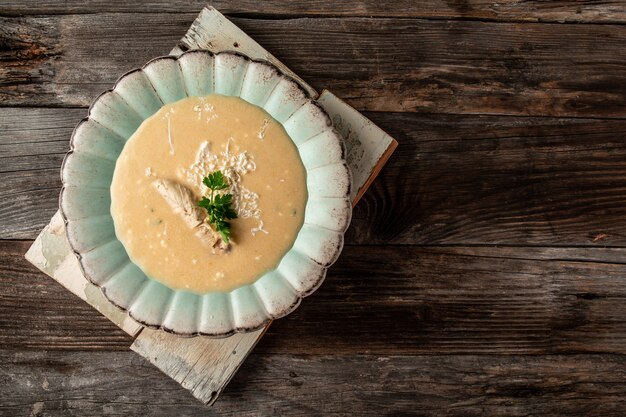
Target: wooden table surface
(484, 271)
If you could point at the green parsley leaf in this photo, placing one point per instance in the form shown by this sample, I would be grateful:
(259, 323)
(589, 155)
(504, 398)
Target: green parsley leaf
(215, 181)
(218, 206)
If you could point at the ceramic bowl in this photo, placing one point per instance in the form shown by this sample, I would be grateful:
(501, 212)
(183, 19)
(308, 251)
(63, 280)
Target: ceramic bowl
(88, 170)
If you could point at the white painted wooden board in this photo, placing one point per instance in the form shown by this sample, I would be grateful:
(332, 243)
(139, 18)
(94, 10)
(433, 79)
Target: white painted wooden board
(203, 365)
(51, 253)
(212, 31)
(368, 147)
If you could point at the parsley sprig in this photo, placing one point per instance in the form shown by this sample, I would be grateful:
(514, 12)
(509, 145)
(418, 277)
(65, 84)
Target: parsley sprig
(218, 206)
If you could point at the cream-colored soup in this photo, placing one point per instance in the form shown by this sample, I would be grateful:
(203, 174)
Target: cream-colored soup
(184, 142)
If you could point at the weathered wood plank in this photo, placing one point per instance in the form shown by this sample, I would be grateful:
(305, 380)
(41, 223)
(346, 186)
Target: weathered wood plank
(36, 312)
(410, 300)
(473, 180)
(40, 56)
(203, 366)
(490, 180)
(122, 383)
(33, 142)
(504, 10)
(375, 64)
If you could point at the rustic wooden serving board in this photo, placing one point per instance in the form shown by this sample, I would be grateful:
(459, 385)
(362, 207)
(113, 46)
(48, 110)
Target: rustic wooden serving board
(203, 365)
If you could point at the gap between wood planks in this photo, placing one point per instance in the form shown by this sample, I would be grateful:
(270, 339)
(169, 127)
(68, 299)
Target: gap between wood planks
(588, 12)
(380, 64)
(458, 245)
(475, 180)
(366, 113)
(422, 300)
(122, 383)
(277, 16)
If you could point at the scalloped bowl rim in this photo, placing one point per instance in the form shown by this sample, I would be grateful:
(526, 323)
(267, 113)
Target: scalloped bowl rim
(233, 328)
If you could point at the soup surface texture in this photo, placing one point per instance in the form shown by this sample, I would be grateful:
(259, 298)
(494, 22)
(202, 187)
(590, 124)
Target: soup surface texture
(184, 142)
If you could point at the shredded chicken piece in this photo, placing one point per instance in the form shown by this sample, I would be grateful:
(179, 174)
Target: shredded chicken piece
(182, 200)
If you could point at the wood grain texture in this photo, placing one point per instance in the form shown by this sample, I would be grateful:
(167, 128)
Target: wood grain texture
(33, 142)
(473, 180)
(374, 64)
(497, 180)
(122, 383)
(482, 320)
(409, 300)
(504, 10)
(38, 313)
(201, 365)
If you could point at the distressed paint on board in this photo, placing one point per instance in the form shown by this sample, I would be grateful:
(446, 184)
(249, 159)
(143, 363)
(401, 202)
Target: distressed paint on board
(51, 254)
(368, 147)
(212, 31)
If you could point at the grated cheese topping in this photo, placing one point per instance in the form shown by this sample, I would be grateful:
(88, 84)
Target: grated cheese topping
(207, 110)
(261, 134)
(168, 116)
(234, 165)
